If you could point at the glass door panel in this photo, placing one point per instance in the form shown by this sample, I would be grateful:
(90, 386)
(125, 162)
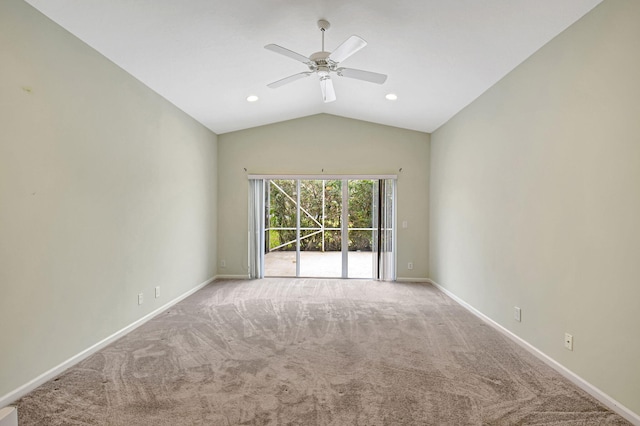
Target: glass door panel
(360, 229)
(314, 260)
(327, 262)
(280, 232)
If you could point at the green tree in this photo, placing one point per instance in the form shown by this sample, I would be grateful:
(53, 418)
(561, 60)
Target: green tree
(282, 214)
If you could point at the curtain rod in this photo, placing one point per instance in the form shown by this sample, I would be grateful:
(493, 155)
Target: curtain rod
(322, 177)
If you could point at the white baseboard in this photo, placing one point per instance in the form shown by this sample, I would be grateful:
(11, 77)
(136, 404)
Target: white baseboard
(573, 377)
(55, 371)
(412, 280)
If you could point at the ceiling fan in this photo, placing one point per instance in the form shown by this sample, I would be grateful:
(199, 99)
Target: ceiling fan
(324, 63)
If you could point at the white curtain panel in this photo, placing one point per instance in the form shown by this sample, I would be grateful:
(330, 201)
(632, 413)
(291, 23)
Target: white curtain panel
(256, 228)
(387, 267)
(384, 234)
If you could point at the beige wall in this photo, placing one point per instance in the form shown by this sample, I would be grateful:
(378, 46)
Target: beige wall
(535, 200)
(339, 146)
(106, 191)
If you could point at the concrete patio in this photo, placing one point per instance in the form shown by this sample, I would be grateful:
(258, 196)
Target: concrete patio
(318, 264)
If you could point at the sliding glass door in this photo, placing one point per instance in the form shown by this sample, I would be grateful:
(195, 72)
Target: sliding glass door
(326, 228)
(281, 230)
(361, 202)
(320, 250)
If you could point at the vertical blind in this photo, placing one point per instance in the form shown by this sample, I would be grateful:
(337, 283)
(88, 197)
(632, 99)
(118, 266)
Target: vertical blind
(256, 228)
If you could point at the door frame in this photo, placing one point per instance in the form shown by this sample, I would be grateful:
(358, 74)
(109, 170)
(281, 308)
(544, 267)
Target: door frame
(342, 177)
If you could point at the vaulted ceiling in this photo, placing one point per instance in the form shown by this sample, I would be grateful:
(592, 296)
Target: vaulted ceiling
(208, 56)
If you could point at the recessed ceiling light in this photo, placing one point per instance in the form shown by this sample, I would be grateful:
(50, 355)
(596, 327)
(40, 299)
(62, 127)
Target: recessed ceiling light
(391, 96)
(252, 98)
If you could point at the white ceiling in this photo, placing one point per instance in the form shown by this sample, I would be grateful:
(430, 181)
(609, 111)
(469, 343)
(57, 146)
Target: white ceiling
(207, 56)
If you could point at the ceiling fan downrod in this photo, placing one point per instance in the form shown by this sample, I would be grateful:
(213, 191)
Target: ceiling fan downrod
(324, 26)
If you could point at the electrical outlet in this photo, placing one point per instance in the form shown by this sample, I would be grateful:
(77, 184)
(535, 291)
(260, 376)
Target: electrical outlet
(405, 224)
(223, 263)
(140, 299)
(517, 314)
(568, 341)
(157, 292)
(410, 265)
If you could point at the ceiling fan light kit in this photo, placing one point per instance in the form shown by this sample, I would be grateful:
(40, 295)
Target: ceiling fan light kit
(324, 63)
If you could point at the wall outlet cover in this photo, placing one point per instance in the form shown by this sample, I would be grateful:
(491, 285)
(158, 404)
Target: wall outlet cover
(568, 341)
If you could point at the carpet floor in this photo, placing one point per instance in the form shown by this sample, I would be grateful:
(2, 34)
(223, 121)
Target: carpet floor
(313, 352)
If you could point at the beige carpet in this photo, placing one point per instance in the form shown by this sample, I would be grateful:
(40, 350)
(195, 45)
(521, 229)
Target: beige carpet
(313, 352)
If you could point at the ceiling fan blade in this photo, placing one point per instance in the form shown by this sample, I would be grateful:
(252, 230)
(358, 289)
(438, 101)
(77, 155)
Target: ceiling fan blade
(289, 79)
(286, 52)
(372, 77)
(347, 48)
(328, 93)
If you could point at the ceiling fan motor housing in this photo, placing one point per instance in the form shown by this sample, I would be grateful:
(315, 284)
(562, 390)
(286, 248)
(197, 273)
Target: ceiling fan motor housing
(321, 63)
